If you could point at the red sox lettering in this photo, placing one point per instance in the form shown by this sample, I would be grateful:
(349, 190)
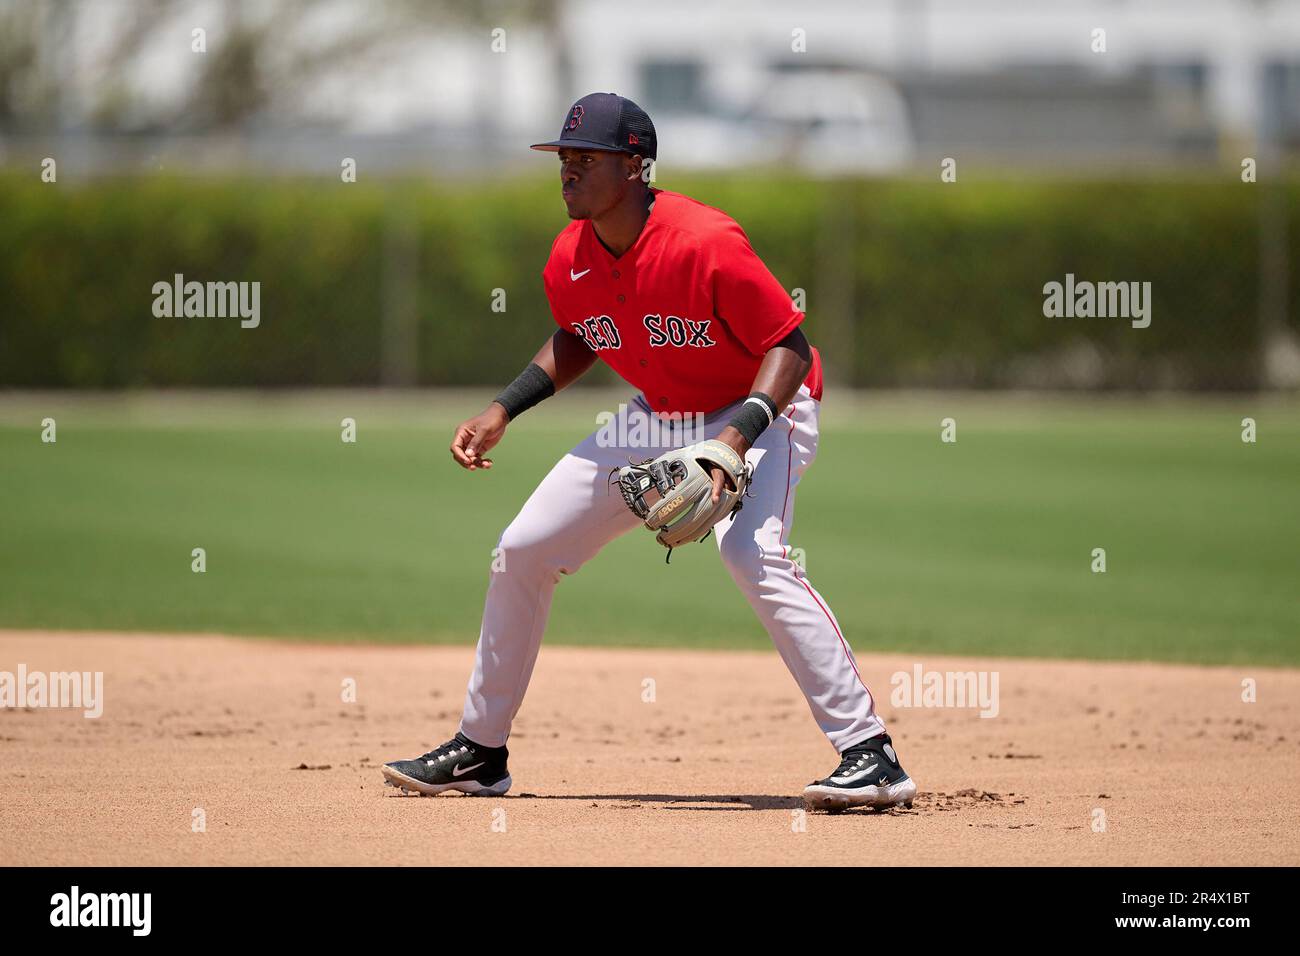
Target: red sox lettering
(599, 332)
(674, 330)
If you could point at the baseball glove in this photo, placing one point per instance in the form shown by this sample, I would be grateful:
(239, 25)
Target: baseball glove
(683, 510)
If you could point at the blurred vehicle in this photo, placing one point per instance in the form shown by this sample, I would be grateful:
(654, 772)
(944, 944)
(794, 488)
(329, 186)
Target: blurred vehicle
(819, 122)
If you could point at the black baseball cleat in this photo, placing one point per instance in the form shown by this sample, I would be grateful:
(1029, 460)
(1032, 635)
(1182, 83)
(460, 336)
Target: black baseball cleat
(868, 776)
(459, 764)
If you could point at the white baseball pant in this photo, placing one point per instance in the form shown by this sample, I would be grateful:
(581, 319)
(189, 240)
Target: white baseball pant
(573, 513)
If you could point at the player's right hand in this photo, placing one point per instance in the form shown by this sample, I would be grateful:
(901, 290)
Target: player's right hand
(477, 436)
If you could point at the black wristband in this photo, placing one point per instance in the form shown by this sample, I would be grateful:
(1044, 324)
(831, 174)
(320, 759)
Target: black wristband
(754, 416)
(532, 386)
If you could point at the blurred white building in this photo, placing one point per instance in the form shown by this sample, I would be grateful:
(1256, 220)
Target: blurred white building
(885, 82)
(828, 87)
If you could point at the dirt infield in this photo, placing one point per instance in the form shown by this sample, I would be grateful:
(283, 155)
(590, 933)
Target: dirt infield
(256, 735)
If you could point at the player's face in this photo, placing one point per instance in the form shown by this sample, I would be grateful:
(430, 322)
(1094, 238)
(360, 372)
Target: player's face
(594, 181)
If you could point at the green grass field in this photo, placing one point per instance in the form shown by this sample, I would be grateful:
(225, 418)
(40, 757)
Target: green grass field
(979, 547)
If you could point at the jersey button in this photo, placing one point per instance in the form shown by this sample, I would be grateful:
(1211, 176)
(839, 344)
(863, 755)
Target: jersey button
(662, 400)
(614, 273)
(622, 298)
(644, 363)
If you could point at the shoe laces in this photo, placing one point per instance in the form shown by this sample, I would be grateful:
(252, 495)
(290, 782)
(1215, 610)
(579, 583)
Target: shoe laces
(452, 748)
(854, 760)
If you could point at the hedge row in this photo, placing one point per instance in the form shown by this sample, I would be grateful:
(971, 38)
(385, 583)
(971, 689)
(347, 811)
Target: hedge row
(907, 283)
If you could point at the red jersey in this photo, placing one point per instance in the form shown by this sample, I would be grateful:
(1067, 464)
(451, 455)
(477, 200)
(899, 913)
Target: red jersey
(685, 315)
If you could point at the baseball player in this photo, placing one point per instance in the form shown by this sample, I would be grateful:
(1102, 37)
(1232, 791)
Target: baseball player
(668, 292)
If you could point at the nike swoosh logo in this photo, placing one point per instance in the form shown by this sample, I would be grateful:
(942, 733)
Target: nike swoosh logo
(575, 276)
(842, 781)
(457, 771)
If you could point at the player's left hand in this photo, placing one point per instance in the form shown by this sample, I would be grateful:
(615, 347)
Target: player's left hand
(736, 441)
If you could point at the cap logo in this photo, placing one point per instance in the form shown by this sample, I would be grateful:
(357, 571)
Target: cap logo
(575, 118)
(632, 140)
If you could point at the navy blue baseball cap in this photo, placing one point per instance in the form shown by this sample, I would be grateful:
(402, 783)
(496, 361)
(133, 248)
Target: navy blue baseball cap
(606, 121)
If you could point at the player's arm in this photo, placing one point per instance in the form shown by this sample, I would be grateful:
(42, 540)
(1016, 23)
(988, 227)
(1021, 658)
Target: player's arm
(783, 370)
(565, 358)
(560, 362)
